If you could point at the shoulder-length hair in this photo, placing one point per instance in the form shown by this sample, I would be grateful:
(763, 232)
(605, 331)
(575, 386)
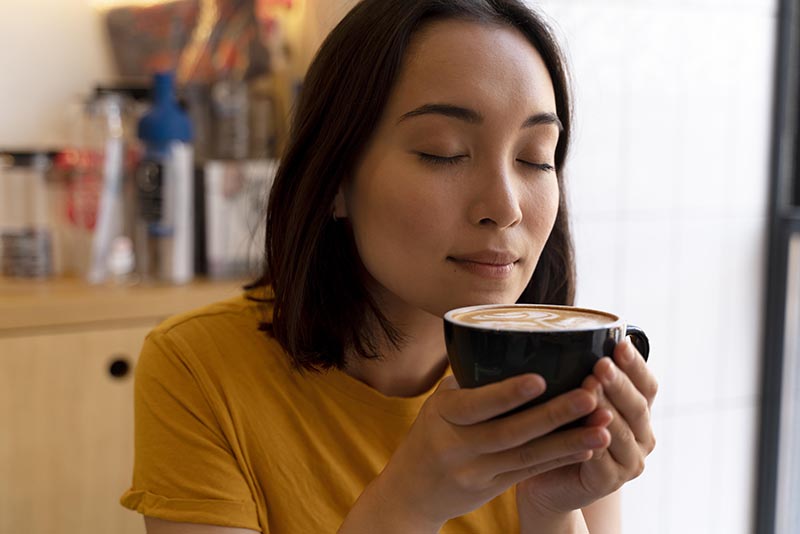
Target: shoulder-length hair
(321, 307)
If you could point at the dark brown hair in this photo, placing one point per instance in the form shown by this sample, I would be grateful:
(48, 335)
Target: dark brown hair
(321, 307)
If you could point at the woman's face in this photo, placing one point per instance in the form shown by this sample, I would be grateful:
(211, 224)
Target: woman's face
(456, 194)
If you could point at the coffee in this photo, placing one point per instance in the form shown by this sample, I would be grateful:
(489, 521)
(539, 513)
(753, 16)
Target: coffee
(527, 319)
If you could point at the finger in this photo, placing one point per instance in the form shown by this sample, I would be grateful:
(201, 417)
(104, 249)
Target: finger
(601, 416)
(515, 477)
(547, 449)
(628, 401)
(467, 406)
(448, 382)
(633, 364)
(624, 449)
(604, 467)
(520, 428)
(625, 455)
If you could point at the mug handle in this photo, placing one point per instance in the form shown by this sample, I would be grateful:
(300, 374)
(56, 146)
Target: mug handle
(639, 339)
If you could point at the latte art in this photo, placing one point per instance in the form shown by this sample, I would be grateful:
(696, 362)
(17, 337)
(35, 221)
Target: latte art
(533, 318)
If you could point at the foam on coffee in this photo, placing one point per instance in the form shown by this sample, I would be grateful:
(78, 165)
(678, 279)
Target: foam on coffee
(532, 318)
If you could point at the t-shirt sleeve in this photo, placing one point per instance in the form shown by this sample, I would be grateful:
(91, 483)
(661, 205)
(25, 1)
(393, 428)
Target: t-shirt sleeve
(184, 467)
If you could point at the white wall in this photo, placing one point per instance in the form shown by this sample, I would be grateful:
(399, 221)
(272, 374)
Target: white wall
(51, 51)
(669, 179)
(54, 51)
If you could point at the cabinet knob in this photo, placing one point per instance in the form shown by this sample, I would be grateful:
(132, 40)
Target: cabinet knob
(119, 367)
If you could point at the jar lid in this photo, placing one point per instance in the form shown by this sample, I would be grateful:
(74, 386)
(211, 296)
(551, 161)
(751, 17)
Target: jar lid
(138, 91)
(26, 158)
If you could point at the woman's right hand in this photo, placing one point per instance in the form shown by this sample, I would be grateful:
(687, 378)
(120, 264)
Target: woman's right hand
(457, 456)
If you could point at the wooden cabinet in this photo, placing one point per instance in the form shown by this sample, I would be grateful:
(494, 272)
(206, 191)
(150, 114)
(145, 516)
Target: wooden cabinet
(66, 404)
(67, 449)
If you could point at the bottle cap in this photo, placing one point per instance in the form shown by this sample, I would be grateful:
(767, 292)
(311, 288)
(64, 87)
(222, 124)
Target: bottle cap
(165, 122)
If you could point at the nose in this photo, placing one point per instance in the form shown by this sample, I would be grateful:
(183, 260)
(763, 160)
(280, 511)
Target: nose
(496, 202)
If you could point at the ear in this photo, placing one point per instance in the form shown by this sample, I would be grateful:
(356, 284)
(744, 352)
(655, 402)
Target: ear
(339, 204)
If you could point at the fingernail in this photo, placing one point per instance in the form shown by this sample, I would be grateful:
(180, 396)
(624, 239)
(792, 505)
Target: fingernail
(593, 440)
(532, 387)
(582, 456)
(626, 355)
(581, 404)
(610, 373)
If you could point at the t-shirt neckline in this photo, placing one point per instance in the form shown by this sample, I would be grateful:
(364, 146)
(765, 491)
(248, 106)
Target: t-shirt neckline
(357, 390)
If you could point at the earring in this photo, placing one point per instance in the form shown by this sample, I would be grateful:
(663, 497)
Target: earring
(335, 218)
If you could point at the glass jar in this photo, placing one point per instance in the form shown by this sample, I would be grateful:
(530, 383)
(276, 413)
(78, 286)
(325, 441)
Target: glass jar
(26, 229)
(97, 176)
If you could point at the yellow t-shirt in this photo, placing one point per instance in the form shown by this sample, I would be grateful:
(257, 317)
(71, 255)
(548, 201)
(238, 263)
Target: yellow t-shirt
(228, 433)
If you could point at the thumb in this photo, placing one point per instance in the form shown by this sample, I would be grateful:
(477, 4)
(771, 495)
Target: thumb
(469, 406)
(448, 383)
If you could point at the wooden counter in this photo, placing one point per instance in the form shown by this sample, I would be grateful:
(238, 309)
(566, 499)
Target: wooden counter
(67, 354)
(30, 304)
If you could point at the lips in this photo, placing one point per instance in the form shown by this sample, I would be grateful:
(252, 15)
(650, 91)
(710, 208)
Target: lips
(497, 265)
(488, 257)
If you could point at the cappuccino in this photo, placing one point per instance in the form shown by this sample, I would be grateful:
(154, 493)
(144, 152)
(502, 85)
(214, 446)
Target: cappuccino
(526, 318)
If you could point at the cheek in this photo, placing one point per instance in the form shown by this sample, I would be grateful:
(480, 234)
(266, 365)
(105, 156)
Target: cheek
(542, 208)
(553, 198)
(397, 222)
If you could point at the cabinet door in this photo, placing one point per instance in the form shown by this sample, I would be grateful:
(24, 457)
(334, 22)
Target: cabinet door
(66, 432)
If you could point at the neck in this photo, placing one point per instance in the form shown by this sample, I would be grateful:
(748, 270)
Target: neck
(414, 367)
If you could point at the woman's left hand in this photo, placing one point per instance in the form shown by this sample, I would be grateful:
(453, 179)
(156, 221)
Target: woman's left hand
(628, 389)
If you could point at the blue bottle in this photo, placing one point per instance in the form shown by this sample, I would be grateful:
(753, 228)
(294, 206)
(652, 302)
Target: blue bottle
(164, 189)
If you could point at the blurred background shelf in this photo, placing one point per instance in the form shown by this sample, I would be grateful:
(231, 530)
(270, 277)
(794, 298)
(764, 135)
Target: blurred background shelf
(28, 305)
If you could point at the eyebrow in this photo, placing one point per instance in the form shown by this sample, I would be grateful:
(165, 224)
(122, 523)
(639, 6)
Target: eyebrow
(473, 117)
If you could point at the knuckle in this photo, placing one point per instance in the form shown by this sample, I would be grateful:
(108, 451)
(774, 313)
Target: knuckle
(650, 443)
(641, 412)
(533, 470)
(442, 447)
(626, 434)
(638, 468)
(652, 389)
(544, 467)
(464, 480)
(527, 456)
(630, 472)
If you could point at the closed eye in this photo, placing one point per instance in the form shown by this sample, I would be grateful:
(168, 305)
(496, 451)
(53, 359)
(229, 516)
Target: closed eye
(546, 167)
(439, 160)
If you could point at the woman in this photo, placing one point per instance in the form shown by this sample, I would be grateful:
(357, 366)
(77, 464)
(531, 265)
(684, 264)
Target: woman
(423, 174)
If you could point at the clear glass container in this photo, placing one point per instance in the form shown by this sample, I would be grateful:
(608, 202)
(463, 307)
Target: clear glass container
(97, 170)
(26, 225)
